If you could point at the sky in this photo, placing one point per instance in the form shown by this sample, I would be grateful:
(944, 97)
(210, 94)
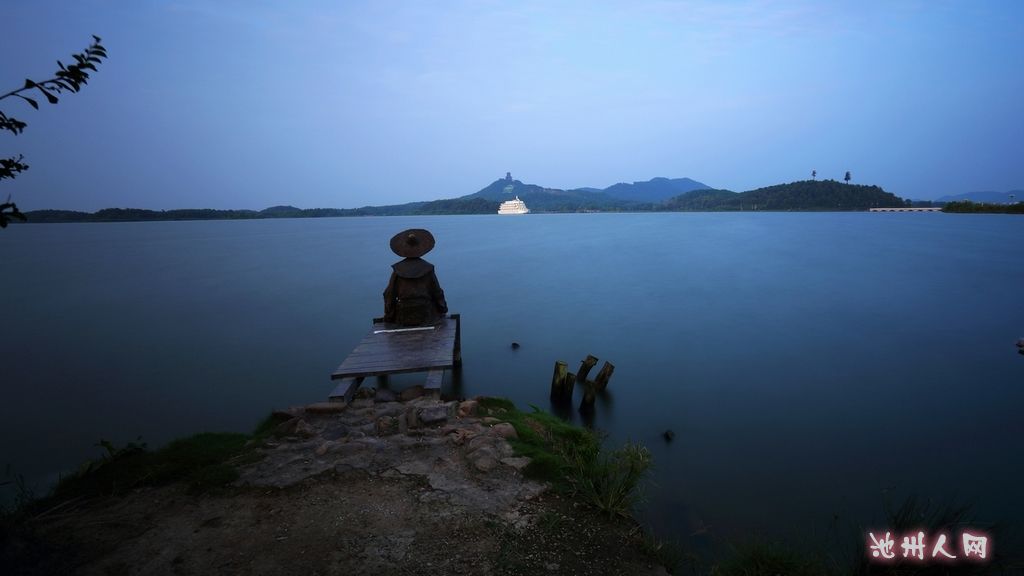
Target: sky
(250, 104)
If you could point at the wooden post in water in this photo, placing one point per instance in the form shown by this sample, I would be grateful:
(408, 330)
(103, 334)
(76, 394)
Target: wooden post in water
(567, 385)
(558, 379)
(601, 382)
(588, 397)
(457, 352)
(585, 366)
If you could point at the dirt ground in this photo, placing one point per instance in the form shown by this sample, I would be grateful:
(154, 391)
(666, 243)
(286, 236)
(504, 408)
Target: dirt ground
(380, 487)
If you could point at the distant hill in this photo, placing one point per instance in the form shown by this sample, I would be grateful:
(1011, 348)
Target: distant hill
(454, 206)
(540, 199)
(986, 196)
(654, 190)
(636, 197)
(805, 195)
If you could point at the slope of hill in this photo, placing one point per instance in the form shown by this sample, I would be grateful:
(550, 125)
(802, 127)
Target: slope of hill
(540, 199)
(654, 190)
(806, 195)
(986, 196)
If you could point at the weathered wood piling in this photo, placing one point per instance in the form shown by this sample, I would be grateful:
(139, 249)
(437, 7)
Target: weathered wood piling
(601, 382)
(562, 381)
(585, 367)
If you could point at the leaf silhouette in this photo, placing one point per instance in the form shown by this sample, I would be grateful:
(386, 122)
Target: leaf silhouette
(29, 100)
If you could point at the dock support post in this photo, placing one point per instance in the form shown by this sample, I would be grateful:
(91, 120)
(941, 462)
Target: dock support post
(589, 362)
(346, 390)
(457, 353)
(601, 382)
(558, 379)
(588, 397)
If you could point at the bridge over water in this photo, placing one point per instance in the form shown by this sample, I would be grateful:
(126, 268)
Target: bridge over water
(905, 210)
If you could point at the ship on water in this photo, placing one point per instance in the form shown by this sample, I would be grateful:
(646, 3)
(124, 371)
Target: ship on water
(516, 206)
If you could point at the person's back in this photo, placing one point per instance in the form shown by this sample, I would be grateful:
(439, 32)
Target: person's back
(413, 296)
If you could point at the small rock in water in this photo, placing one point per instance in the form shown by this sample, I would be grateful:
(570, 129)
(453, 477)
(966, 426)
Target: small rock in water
(1020, 343)
(668, 435)
(515, 345)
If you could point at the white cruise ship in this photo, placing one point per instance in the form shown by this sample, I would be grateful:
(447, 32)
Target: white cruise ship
(516, 206)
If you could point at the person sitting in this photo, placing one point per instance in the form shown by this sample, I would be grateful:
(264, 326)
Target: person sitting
(413, 296)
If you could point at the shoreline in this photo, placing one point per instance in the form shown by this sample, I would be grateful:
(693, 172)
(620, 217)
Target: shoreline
(388, 483)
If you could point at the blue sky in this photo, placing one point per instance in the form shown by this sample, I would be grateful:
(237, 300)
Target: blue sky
(248, 104)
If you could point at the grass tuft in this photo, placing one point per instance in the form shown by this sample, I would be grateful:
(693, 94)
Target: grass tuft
(571, 458)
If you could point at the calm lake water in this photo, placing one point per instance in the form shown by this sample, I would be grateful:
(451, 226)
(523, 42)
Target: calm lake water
(811, 365)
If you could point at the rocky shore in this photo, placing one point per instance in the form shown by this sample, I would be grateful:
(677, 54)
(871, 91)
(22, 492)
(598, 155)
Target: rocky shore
(390, 484)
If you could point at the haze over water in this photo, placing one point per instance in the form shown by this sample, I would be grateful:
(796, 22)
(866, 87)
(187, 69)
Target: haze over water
(806, 362)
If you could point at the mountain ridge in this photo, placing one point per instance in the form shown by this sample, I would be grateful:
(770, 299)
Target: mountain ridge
(985, 196)
(806, 195)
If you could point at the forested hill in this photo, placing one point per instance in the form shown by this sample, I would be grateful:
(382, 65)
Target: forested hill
(805, 195)
(808, 195)
(474, 206)
(540, 199)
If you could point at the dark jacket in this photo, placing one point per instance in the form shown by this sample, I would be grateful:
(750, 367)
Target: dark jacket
(414, 296)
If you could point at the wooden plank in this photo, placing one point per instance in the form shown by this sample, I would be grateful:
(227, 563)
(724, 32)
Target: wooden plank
(346, 390)
(434, 379)
(397, 352)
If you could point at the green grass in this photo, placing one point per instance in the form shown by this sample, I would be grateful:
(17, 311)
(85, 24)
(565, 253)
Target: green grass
(572, 459)
(205, 462)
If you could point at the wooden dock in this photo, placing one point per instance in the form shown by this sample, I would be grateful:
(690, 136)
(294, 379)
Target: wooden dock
(394, 349)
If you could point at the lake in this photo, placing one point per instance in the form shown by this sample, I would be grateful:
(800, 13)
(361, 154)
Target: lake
(812, 365)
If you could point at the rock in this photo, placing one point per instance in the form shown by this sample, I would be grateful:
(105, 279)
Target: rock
(489, 420)
(468, 408)
(365, 393)
(459, 437)
(410, 418)
(387, 425)
(1020, 343)
(411, 393)
(518, 462)
(668, 435)
(285, 428)
(384, 395)
(433, 415)
(390, 409)
(324, 448)
(334, 431)
(515, 345)
(505, 430)
(302, 428)
(326, 408)
(476, 442)
(285, 415)
(483, 458)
